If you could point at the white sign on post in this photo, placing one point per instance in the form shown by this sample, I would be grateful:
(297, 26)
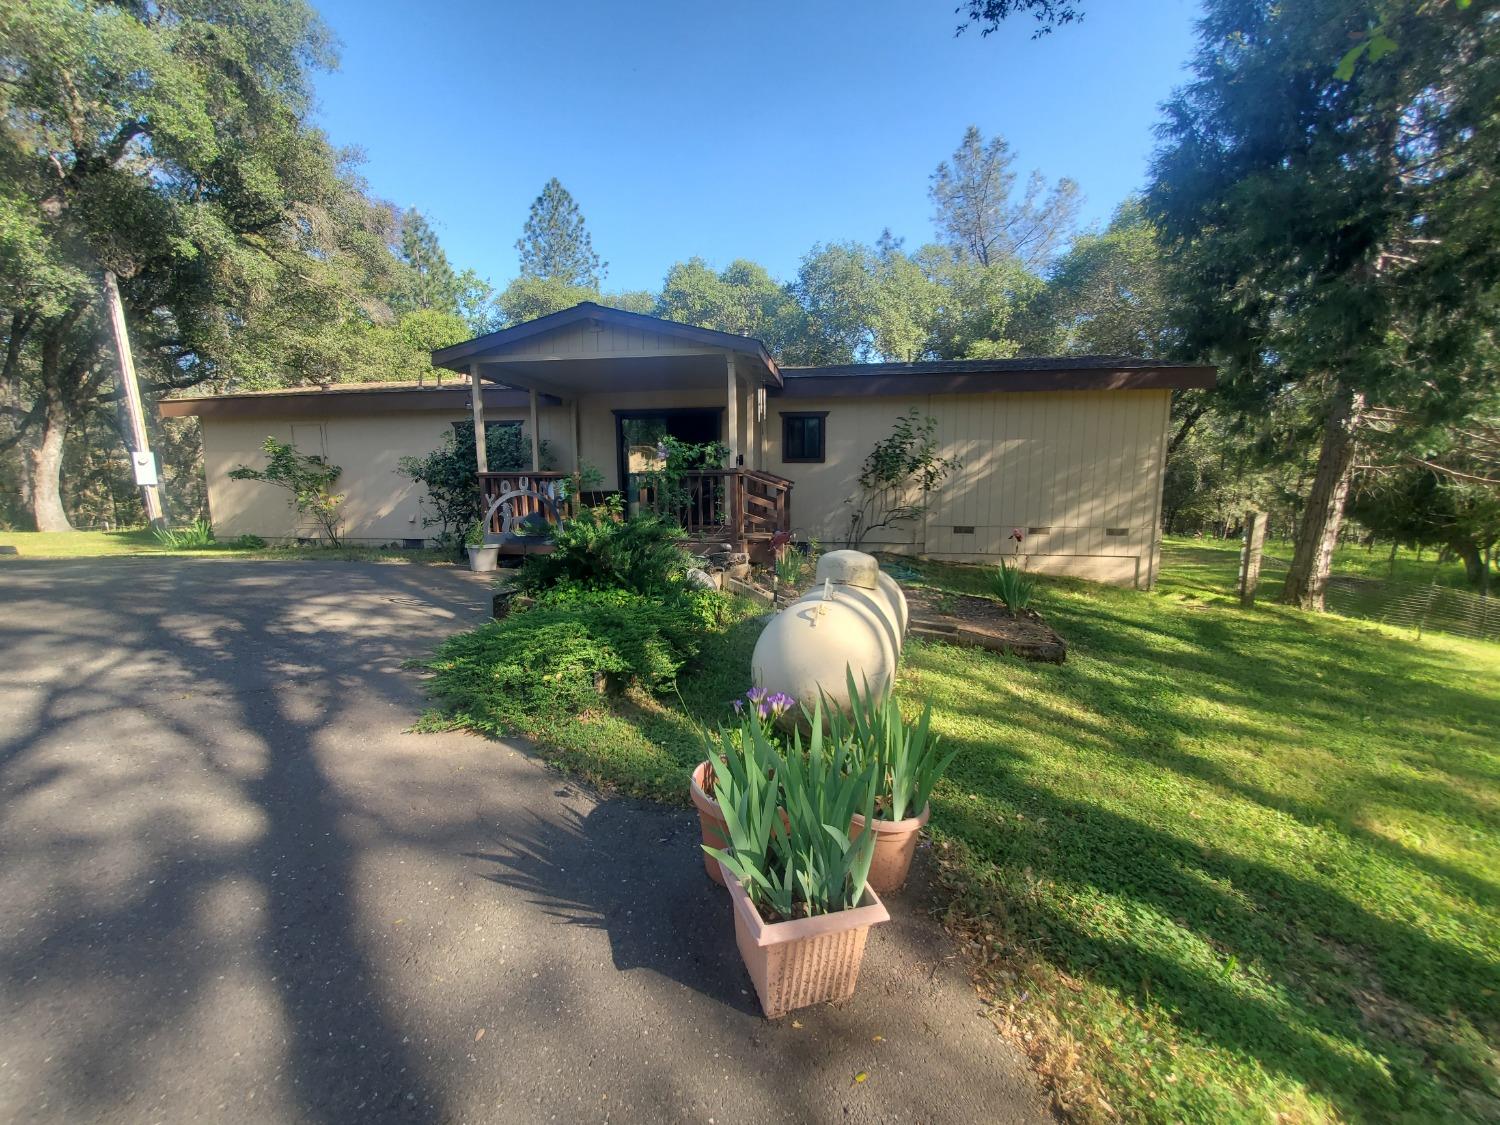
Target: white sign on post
(145, 469)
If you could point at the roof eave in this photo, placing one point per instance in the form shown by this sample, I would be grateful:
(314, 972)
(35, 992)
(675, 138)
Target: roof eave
(457, 357)
(810, 384)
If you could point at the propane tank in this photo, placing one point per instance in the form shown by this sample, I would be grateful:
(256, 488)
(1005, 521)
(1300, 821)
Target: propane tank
(849, 619)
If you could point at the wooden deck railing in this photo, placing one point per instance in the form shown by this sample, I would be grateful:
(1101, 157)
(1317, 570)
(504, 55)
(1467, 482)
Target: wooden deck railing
(734, 504)
(528, 486)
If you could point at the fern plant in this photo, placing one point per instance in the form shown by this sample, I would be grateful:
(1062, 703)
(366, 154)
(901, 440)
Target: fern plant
(599, 551)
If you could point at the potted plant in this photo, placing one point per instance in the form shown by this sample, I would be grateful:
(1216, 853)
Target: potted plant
(905, 757)
(766, 706)
(482, 558)
(796, 877)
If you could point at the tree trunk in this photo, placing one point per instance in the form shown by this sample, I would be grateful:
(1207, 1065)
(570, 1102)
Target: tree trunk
(1474, 564)
(44, 460)
(1323, 514)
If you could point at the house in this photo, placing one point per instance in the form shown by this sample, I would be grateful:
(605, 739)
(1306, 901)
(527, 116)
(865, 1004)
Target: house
(1070, 451)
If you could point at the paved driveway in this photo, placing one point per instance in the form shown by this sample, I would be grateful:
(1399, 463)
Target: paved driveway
(235, 889)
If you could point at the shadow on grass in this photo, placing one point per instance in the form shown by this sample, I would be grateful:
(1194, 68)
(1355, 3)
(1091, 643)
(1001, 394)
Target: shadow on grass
(1176, 813)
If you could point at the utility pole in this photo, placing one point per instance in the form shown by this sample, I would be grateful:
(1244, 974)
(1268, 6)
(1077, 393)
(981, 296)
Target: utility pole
(142, 460)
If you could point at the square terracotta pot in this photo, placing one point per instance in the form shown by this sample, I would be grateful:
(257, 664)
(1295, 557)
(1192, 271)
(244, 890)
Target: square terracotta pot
(807, 960)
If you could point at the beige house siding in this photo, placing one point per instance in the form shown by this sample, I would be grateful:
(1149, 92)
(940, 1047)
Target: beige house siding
(1080, 463)
(1086, 465)
(598, 341)
(380, 506)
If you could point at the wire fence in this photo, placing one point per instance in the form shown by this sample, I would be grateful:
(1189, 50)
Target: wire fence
(1445, 609)
(1419, 608)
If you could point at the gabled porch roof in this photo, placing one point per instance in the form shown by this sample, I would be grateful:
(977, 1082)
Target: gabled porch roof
(590, 348)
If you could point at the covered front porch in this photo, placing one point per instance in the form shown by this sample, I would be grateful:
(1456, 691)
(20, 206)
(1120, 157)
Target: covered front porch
(603, 388)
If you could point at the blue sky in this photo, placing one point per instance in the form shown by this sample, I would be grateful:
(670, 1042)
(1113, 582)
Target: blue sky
(726, 131)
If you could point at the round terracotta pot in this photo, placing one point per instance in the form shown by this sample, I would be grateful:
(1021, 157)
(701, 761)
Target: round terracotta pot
(710, 820)
(895, 845)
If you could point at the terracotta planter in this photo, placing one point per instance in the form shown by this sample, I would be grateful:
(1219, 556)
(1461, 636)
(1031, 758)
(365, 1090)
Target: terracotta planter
(710, 820)
(895, 845)
(805, 961)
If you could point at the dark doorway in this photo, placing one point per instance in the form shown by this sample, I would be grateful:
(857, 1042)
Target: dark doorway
(638, 431)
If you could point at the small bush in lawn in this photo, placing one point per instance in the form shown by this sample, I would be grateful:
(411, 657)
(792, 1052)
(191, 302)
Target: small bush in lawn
(249, 542)
(599, 551)
(540, 663)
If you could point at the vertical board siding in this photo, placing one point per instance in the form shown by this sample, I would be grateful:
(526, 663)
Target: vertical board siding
(1079, 463)
(584, 340)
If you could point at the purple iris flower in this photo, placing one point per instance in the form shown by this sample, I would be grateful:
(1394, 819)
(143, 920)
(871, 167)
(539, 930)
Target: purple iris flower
(768, 704)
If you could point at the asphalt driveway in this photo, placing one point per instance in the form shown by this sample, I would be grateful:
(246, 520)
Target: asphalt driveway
(234, 889)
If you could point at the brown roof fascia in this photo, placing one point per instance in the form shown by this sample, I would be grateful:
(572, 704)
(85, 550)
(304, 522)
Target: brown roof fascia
(344, 401)
(986, 382)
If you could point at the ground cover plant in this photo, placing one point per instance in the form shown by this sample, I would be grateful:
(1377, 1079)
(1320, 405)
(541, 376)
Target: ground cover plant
(1226, 864)
(546, 660)
(1222, 865)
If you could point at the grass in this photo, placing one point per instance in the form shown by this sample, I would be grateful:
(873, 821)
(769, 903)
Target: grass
(1406, 567)
(141, 541)
(1222, 865)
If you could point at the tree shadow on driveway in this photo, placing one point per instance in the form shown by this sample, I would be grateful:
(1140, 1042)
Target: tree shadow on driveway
(628, 869)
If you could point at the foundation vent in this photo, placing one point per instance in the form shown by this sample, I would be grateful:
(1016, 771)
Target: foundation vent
(963, 529)
(1117, 531)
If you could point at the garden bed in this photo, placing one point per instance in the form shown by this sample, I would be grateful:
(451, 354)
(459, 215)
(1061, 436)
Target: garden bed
(974, 622)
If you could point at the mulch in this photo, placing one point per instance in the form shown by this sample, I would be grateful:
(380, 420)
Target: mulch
(973, 622)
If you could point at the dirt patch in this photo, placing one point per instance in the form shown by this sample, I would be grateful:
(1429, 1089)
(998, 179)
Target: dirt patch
(973, 622)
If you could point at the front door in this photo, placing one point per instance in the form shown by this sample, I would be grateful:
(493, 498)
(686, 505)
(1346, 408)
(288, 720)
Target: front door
(639, 431)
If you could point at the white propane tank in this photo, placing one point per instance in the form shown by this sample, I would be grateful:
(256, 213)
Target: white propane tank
(850, 618)
(855, 568)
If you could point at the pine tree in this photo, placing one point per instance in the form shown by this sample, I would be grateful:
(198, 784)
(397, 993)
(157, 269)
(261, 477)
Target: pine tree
(978, 216)
(1333, 226)
(555, 244)
(428, 280)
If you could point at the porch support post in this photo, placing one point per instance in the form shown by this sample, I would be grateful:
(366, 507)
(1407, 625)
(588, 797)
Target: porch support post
(536, 440)
(752, 429)
(577, 438)
(476, 401)
(732, 412)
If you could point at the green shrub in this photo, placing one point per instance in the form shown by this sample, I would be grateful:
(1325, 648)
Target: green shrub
(599, 551)
(248, 542)
(450, 474)
(540, 663)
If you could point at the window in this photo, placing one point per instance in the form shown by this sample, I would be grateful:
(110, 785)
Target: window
(803, 436)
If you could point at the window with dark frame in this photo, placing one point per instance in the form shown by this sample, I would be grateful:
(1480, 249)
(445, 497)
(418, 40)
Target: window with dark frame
(804, 436)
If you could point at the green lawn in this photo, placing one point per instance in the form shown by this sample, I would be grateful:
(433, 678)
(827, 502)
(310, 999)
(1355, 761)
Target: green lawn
(140, 541)
(1376, 562)
(1221, 865)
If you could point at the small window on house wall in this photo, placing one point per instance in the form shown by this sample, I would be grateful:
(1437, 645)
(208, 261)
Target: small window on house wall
(804, 435)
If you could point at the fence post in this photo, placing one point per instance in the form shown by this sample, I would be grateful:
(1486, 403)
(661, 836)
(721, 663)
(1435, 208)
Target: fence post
(1255, 541)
